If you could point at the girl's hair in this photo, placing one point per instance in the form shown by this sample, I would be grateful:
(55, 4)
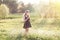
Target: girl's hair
(27, 11)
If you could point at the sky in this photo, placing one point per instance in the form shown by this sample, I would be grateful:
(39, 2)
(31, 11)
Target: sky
(34, 1)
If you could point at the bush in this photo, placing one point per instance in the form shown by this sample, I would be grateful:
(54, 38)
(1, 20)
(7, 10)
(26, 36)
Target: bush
(4, 11)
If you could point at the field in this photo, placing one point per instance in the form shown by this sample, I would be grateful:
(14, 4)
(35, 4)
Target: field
(11, 28)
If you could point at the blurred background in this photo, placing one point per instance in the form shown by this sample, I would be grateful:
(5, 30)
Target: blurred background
(48, 8)
(44, 14)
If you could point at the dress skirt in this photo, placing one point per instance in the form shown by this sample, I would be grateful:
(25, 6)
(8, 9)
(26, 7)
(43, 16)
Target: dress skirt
(27, 24)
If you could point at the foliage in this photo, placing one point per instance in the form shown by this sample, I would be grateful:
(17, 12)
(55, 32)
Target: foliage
(12, 5)
(11, 29)
(4, 11)
(22, 7)
(29, 6)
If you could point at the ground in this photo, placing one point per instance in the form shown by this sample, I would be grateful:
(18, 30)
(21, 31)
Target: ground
(41, 29)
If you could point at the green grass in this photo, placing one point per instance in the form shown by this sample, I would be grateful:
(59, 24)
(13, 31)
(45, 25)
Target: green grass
(42, 29)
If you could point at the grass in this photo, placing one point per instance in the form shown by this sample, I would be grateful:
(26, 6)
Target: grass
(42, 29)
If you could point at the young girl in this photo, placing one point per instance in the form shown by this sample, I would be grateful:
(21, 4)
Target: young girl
(27, 23)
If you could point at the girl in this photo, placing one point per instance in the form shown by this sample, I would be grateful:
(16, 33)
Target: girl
(27, 23)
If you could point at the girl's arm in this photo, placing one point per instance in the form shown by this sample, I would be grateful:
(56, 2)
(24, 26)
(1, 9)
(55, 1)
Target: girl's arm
(28, 17)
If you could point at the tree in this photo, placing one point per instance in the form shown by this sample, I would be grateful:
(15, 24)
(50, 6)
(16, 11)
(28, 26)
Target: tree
(11, 4)
(0, 2)
(29, 6)
(21, 7)
(4, 11)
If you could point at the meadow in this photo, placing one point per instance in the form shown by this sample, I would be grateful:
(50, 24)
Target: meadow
(11, 28)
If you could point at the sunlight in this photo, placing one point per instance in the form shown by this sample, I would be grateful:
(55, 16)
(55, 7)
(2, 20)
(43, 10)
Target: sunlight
(34, 1)
(58, 0)
(30, 1)
(58, 3)
(44, 1)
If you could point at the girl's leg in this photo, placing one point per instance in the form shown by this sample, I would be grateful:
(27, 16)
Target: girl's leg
(26, 31)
